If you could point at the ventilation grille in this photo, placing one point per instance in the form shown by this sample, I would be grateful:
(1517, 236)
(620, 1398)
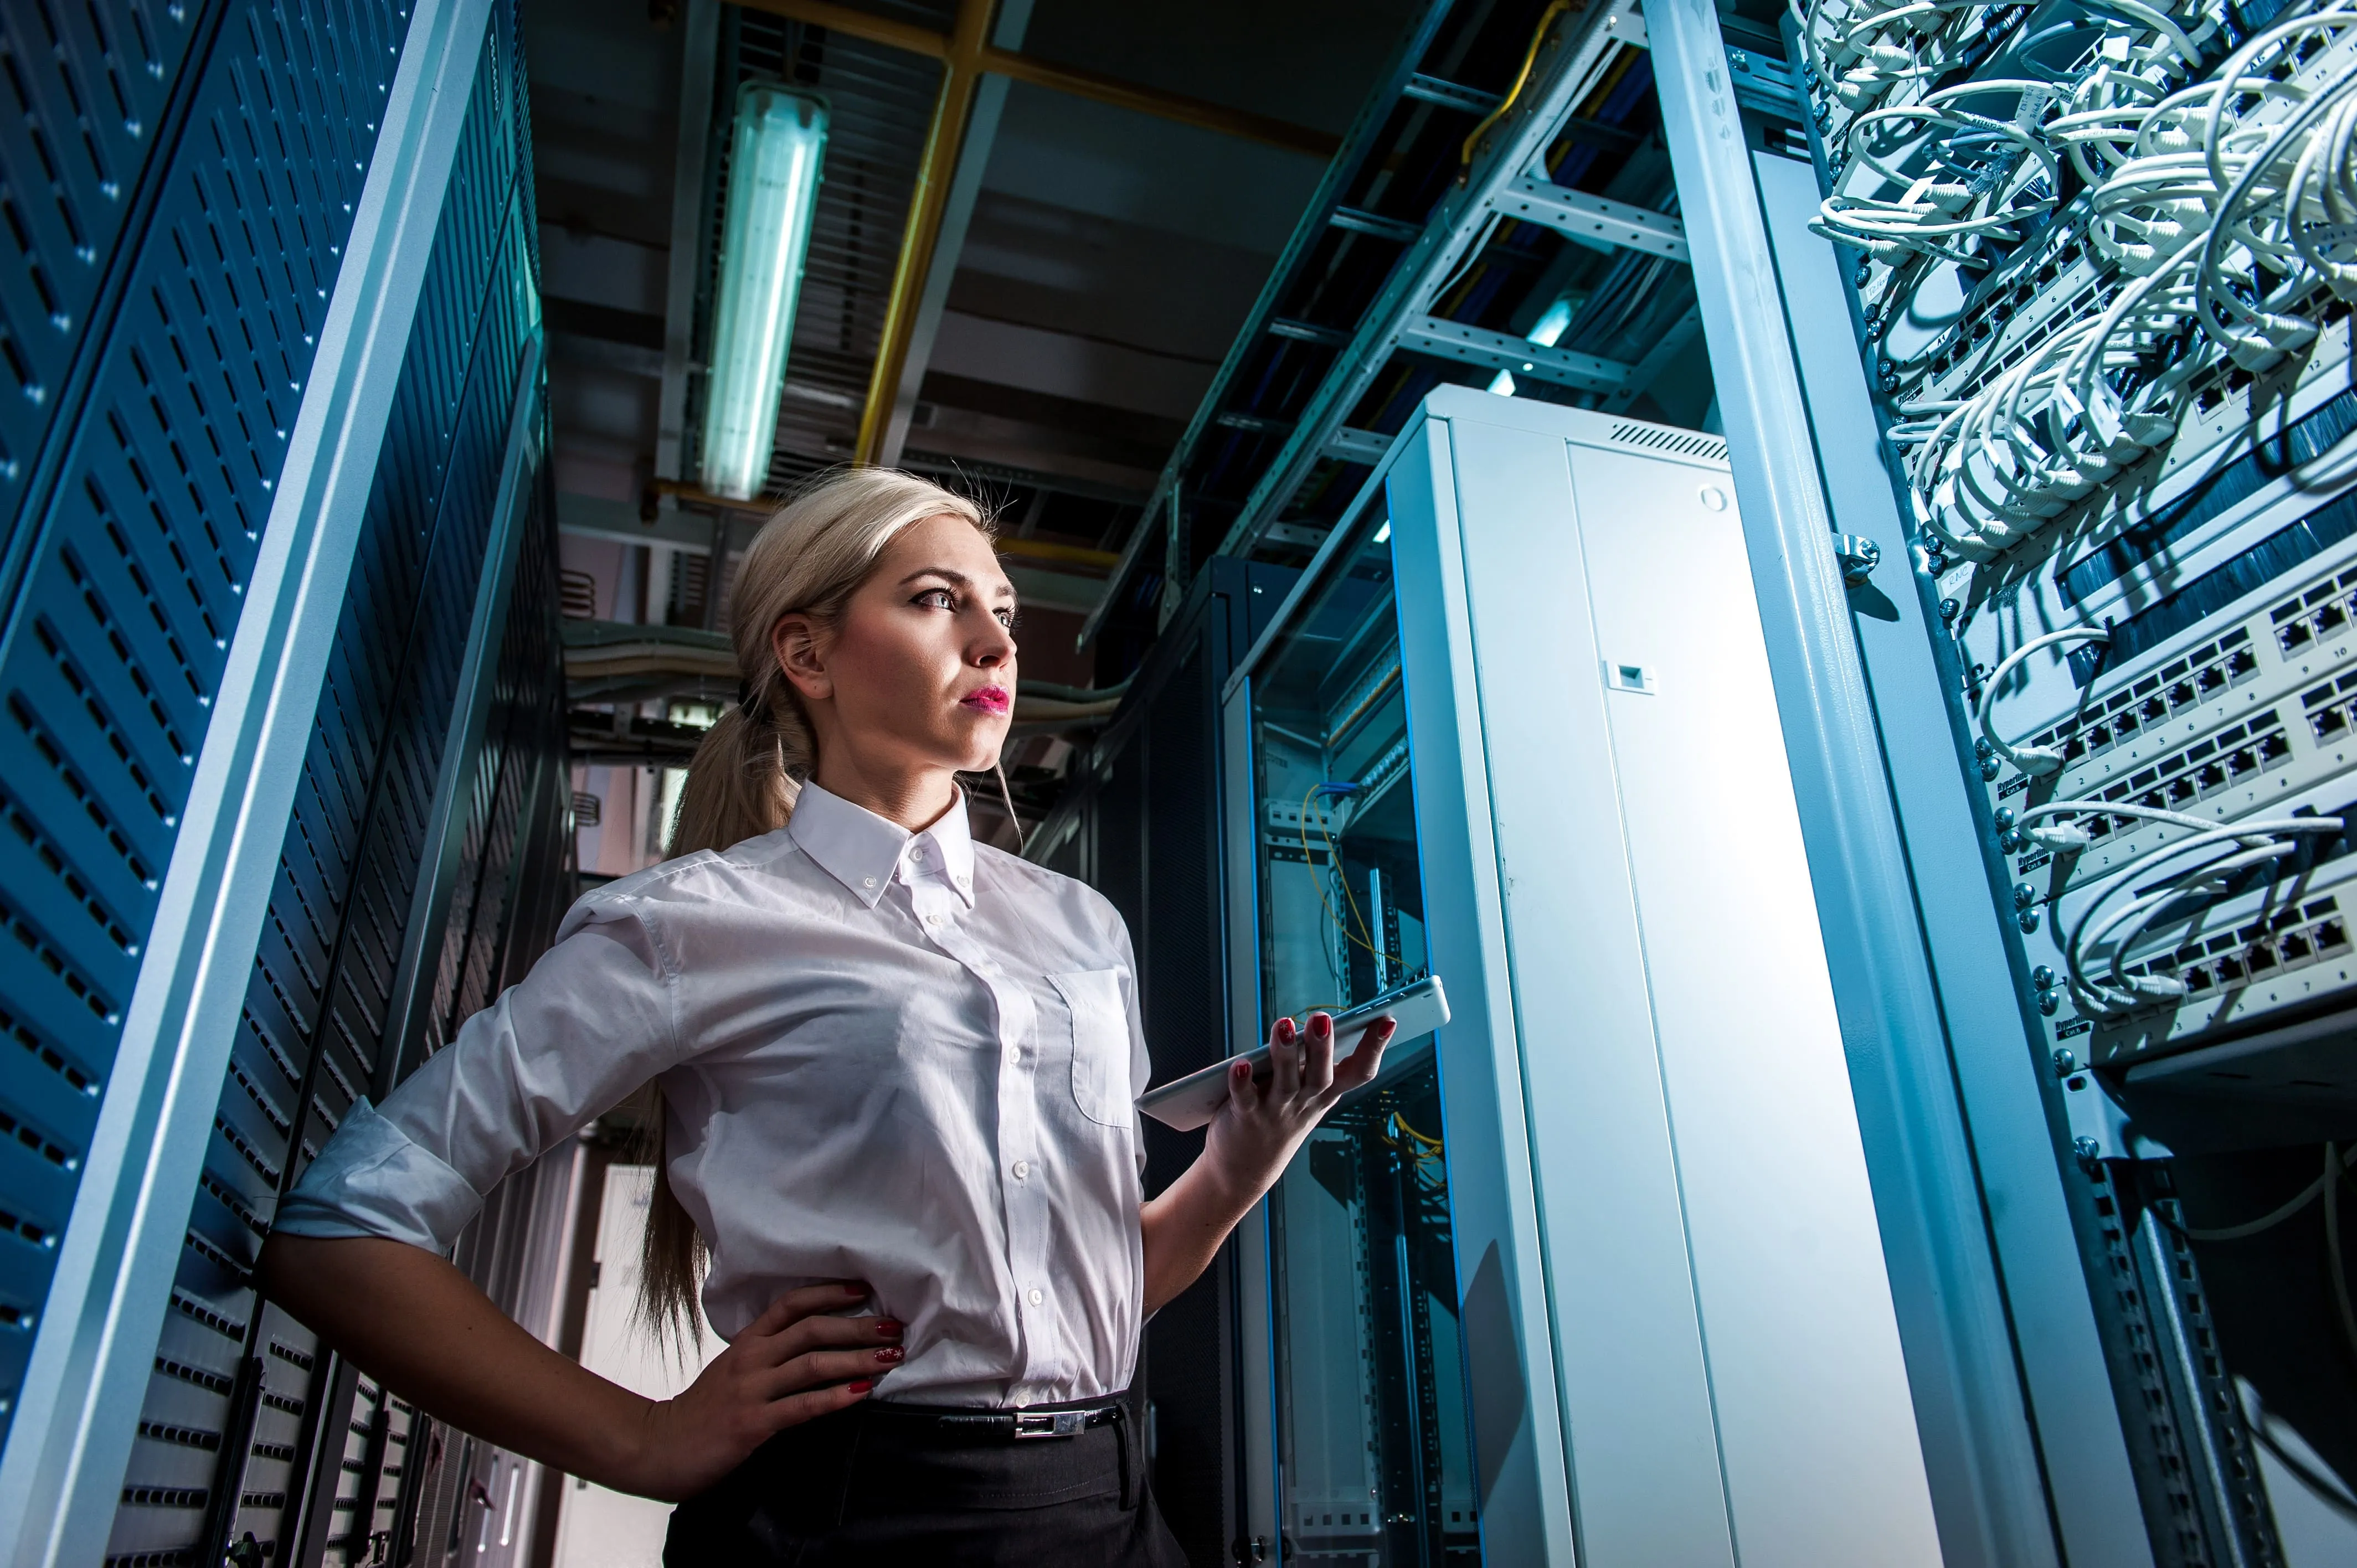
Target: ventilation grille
(198, 213)
(231, 1453)
(1678, 442)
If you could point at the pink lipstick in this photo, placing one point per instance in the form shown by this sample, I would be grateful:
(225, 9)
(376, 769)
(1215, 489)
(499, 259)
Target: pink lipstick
(991, 700)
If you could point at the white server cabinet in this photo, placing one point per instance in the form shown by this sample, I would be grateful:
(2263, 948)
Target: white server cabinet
(1596, 1272)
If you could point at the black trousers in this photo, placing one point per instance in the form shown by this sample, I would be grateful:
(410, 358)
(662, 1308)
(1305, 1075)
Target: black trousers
(887, 1484)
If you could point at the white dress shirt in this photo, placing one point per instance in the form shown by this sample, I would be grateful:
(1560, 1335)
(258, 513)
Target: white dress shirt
(902, 1059)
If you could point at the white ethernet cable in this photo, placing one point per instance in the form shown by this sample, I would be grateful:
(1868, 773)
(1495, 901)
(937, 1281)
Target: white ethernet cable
(2130, 922)
(2325, 183)
(1931, 212)
(2110, 103)
(2035, 760)
(2210, 184)
(2088, 995)
(1872, 48)
(2068, 840)
(2254, 336)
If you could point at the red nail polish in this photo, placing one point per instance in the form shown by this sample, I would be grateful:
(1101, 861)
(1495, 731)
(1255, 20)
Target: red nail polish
(1321, 1022)
(854, 1291)
(1285, 1030)
(861, 1386)
(890, 1327)
(891, 1354)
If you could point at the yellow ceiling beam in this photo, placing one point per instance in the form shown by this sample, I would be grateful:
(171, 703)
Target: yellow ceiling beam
(1072, 80)
(926, 202)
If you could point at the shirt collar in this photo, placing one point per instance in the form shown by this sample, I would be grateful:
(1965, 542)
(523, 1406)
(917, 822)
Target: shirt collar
(861, 850)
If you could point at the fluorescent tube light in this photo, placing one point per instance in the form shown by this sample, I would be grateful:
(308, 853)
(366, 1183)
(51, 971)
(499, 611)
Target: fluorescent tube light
(774, 158)
(1544, 334)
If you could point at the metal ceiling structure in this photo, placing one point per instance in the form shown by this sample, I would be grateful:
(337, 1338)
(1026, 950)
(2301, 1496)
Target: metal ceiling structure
(1132, 275)
(1032, 243)
(1555, 199)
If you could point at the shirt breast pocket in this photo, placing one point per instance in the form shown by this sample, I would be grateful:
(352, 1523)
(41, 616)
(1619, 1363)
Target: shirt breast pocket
(1100, 1044)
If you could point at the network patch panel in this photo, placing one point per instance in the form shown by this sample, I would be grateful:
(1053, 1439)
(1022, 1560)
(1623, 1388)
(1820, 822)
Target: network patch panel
(2171, 920)
(2221, 730)
(2064, 276)
(2212, 684)
(2059, 283)
(2279, 962)
(2244, 767)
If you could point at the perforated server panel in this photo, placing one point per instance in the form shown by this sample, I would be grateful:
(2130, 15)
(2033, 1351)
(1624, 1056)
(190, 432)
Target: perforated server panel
(181, 183)
(159, 319)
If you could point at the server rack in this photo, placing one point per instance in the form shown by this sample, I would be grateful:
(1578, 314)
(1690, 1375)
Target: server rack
(288, 783)
(2077, 1122)
(2092, 1138)
(1595, 1272)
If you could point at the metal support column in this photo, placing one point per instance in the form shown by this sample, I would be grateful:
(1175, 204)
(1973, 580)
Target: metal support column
(1987, 1484)
(2000, 1072)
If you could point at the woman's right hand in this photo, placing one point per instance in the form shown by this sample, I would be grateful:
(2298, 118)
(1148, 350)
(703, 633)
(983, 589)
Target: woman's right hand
(798, 1362)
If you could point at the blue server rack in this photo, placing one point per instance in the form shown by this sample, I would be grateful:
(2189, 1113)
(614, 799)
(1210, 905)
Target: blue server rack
(148, 426)
(183, 184)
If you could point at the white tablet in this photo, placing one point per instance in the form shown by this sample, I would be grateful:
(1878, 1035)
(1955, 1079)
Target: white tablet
(1189, 1102)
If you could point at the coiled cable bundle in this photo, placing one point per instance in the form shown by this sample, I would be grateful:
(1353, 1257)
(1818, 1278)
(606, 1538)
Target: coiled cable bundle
(1865, 48)
(2230, 207)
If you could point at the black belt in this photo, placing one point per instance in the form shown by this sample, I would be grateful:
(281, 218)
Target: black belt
(1011, 1425)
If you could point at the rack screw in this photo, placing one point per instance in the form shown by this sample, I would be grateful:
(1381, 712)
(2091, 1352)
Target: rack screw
(2087, 1149)
(2027, 921)
(2048, 1002)
(1948, 608)
(2043, 978)
(2066, 1062)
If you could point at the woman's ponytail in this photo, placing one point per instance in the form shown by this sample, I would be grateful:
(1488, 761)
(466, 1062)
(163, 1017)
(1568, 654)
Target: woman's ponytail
(749, 770)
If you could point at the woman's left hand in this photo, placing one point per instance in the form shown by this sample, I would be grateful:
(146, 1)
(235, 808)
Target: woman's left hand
(1256, 1132)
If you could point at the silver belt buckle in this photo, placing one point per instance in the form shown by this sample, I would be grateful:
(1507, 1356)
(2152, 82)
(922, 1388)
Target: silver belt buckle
(1049, 1423)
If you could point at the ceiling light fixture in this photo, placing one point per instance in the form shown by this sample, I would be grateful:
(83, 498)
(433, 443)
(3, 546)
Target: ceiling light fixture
(774, 158)
(1546, 333)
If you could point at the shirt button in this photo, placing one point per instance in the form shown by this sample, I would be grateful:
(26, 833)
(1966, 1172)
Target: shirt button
(1037, 1295)
(868, 882)
(917, 857)
(932, 919)
(1014, 1056)
(1022, 1170)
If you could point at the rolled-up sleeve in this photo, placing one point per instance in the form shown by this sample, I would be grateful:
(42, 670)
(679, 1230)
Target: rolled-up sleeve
(595, 1019)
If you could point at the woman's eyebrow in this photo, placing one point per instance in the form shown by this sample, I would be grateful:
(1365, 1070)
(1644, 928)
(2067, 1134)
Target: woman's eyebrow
(1006, 590)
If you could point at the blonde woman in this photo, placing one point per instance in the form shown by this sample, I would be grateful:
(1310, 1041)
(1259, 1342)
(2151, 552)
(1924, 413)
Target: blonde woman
(896, 1072)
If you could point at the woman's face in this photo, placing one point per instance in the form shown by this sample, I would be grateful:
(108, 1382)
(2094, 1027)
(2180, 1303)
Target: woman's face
(918, 675)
